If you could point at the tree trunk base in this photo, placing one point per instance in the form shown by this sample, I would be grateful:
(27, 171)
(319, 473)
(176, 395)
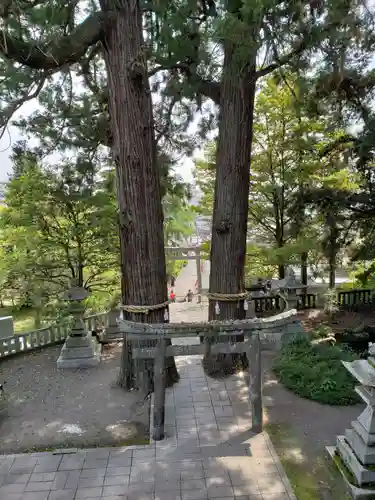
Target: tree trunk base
(224, 365)
(171, 376)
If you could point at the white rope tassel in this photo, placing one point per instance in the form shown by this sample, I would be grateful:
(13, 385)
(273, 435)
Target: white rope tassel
(166, 315)
(246, 305)
(217, 309)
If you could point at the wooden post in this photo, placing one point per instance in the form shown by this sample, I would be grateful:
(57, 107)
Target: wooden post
(255, 383)
(159, 391)
(199, 274)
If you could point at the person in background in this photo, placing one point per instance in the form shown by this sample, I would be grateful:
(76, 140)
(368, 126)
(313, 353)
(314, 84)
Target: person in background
(172, 296)
(173, 281)
(189, 296)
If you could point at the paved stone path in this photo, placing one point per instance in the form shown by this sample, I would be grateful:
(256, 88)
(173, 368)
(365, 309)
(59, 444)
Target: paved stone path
(209, 452)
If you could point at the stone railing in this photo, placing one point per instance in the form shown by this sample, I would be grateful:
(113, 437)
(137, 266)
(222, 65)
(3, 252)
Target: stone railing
(47, 336)
(23, 342)
(96, 322)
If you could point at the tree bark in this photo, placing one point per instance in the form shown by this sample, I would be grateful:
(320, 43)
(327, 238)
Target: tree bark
(281, 271)
(138, 186)
(304, 257)
(229, 225)
(332, 267)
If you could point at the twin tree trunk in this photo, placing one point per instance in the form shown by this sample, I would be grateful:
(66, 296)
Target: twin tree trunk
(229, 225)
(138, 187)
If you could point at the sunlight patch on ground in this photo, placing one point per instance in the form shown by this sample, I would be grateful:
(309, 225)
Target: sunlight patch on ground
(122, 430)
(72, 429)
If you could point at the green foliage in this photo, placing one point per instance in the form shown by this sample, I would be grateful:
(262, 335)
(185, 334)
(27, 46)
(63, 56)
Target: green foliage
(178, 219)
(315, 371)
(174, 267)
(59, 225)
(205, 174)
(258, 263)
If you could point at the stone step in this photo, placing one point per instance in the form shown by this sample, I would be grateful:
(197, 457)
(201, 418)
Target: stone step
(362, 474)
(365, 453)
(368, 438)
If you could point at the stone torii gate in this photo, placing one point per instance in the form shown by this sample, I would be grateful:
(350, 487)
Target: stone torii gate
(188, 253)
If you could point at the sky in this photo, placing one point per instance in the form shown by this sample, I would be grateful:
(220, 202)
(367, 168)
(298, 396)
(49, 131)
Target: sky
(12, 135)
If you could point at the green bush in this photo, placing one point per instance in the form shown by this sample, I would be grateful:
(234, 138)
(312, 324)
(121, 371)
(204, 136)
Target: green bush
(315, 371)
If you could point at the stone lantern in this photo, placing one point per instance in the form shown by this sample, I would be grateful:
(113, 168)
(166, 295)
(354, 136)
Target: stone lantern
(292, 288)
(354, 453)
(80, 350)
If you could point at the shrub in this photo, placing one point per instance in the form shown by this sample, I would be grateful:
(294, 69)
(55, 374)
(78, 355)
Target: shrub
(315, 371)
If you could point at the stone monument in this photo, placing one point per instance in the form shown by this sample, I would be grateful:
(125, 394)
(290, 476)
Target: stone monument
(112, 331)
(6, 327)
(291, 288)
(80, 349)
(354, 453)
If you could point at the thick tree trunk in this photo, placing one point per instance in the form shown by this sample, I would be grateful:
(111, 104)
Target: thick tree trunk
(332, 269)
(229, 225)
(304, 257)
(281, 271)
(138, 187)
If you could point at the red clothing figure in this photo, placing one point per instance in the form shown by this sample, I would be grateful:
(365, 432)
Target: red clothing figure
(172, 296)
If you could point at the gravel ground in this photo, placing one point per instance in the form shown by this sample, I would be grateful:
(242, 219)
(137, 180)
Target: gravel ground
(48, 408)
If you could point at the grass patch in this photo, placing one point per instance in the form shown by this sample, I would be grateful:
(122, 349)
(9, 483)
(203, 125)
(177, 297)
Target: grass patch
(308, 476)
(24, 319)
(315, 371)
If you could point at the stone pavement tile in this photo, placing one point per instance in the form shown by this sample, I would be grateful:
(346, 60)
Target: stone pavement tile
(35, 495)
(22, 469)
(194, 495)
(119, 461)
(71, 462)
(140, 487)
(42, 476)
(90, 482)
(138, 496)
(118, 471)
(141, 478)
(222, 480)
(48, 464)
(116, 480)
(122, 452)
(170, 475)
(114, 497)
(189, 474)
(85, 493)
(168, 495)
(220, 492)
(5, 465)
(193, 484)
(98, 452)
(62, 495)
(95, 463)
(12, 488)
(277, 496)
(114, 490)
(168, 483)
(10, 496)
(248, 497)
(60, 480)
(247, 489)
(16, 478)
(93, 472)
(144, 454)
(39, 486)
(72, 480)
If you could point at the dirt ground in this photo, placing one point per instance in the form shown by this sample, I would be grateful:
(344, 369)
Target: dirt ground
(300, 430)
(48, 408)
